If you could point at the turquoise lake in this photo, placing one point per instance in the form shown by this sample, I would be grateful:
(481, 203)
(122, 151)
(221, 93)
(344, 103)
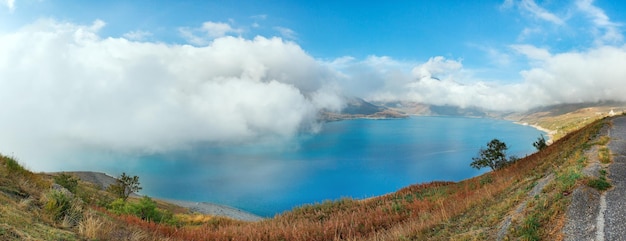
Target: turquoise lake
(353, 158)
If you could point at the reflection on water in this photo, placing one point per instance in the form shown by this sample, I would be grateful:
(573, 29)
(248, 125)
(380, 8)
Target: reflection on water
(356, 158)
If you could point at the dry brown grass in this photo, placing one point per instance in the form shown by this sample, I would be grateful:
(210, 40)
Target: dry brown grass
(469, 210)
(94, 227)
(563, 123)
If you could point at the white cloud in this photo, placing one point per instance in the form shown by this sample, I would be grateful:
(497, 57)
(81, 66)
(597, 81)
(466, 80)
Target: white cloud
(437, 67)
(539, 12)
(531, 51)
(526, 32)
(569, 77)
(596, 74)
(609, 32)
(216, 30)
(10, 4)
(496, 57)
(63, 87)
(535, 10)
(257, 18)
(286, 32)
(507, 4)
(137, 35)
(207, 32)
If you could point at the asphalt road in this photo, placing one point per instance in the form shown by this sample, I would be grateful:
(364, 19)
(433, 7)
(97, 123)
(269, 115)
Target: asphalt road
(615, 215)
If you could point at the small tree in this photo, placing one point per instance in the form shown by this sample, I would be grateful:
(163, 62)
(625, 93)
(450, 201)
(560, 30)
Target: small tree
(494, 156)
(540, 144)
(124, 186)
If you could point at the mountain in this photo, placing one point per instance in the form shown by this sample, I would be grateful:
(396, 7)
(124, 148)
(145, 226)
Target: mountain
(357, 108)
(414, 108)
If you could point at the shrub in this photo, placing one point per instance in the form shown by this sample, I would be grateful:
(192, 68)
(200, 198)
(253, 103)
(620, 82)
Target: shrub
(62, 207)
(145, 209)
(540, 144)
(118, 206)
(67, 181)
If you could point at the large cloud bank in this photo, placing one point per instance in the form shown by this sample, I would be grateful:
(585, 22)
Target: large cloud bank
(596, 74)
(62, 84)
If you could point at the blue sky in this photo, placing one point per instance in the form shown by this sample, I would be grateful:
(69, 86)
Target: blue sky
(404, 30)
(167, 74)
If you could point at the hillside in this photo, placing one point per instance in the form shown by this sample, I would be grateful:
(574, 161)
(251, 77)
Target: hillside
(527, 200)
(357, 108)
(557, 120)
(420, 109)
(565, 118)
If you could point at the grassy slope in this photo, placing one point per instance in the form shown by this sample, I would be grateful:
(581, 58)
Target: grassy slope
(469, 210)
(563, 119)
(21, 215)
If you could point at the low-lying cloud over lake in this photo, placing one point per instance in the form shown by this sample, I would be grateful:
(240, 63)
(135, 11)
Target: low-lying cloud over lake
(65, 86)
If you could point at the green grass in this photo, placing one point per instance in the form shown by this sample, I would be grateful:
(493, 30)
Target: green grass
(604, 155)
(599, 183)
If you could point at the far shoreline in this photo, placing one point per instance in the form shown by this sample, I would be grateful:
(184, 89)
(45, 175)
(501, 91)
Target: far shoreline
(549, 133)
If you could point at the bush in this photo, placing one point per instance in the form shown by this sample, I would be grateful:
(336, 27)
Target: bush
(67, 181)
(145, 209)
(540, 144)
(62, 207)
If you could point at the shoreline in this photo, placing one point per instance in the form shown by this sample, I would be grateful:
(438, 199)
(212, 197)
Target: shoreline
(215, 210)
(103, 180)
(549, 133)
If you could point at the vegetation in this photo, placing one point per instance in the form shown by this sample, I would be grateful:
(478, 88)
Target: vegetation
(494, 156)
(600, 182)
(540, 144)
(67, 181)
(473, 209)
(124, 186)
(604, 155)
(145, 208)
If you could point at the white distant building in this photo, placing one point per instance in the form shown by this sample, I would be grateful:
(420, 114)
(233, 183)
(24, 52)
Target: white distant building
(611, 113)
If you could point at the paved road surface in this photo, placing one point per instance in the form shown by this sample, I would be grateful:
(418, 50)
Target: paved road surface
(601, 216)
(615, 215)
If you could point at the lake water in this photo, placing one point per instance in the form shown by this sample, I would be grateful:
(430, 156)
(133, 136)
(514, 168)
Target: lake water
(353, 158)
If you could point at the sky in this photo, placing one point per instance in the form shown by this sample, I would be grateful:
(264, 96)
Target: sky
(169, 74)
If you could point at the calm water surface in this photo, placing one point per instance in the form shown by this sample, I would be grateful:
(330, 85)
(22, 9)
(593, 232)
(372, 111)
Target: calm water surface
(355, 158)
